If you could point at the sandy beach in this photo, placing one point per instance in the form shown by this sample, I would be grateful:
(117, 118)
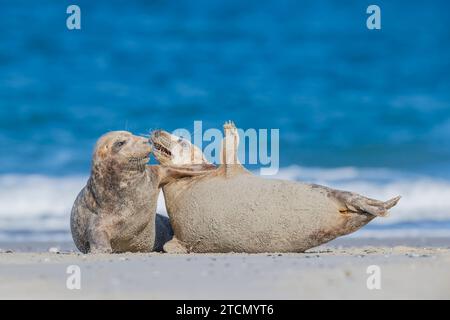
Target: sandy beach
(410, 268)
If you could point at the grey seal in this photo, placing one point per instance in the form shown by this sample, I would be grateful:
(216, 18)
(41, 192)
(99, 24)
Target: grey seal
(229, 209)
(116, 210)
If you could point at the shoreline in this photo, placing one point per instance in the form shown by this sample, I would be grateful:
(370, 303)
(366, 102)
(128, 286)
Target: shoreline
(348, 241)
(410, 268)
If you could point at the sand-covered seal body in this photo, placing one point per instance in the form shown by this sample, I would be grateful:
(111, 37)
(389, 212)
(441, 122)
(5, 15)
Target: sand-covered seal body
(231, 210)
(266, 216)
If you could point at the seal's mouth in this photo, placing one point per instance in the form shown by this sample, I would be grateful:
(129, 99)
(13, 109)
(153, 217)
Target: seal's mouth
(162, 149)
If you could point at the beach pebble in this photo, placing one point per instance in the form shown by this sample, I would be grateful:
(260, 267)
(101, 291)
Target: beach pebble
(54, 250)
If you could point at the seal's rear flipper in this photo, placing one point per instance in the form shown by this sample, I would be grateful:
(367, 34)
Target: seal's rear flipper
(175, 246)
(357, 203)
(390, 203)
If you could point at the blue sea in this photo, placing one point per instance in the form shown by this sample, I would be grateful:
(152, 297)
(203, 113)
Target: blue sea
(358, 109)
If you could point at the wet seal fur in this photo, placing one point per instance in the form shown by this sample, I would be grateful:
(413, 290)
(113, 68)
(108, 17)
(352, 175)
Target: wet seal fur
(116, 210)
(231, 210)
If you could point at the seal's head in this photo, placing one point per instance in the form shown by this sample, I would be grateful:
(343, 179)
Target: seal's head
(170, 149)
(122, 151)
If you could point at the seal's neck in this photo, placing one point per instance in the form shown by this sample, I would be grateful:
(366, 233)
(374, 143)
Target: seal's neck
(112, 179)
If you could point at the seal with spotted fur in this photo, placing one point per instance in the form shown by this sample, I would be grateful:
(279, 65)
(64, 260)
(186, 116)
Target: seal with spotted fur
(116, 210)
(229, 209)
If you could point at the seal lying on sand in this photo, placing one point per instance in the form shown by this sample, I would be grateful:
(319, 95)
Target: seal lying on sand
(231, 210)
(115, 211)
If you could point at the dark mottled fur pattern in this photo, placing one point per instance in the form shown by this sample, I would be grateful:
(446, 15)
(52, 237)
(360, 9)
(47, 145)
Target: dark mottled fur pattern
(116, 210)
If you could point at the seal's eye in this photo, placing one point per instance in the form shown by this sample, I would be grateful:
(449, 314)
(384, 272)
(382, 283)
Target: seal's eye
(119, 144)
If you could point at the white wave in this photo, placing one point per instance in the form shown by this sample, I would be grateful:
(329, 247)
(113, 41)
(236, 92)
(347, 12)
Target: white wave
(31, 195)
(36, 202)
(42, 204)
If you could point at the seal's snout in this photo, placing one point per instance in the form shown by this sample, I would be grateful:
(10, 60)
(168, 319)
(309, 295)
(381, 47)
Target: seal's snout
(156, 133)
(161, 145)
(154, 137)
(146, 142)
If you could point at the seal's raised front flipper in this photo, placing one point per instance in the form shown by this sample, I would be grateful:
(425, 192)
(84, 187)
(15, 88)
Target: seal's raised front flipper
(229, 153)
(357, 203)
